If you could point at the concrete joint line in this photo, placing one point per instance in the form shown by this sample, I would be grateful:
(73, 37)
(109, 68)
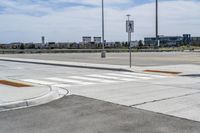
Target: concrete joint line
(164, 99)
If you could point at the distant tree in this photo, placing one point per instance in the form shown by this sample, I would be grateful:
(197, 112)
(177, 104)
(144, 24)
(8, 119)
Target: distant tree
(31, 46)
(126, 44)
(22, 46)
(140, 44)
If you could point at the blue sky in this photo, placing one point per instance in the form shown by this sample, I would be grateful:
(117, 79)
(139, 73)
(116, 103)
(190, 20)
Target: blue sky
(69, 20)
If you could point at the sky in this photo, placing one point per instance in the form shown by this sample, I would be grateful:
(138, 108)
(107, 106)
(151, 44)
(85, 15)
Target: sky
(69, 20)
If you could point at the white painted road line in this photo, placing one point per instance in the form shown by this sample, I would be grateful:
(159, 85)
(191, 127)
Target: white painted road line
(62, 85)
(128, 76)
(93, 79)
(70, 81)
(39, 82)
(111, 77)
(142, 74)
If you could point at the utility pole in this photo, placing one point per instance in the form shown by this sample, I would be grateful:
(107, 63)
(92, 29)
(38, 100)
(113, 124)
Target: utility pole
(103, 52)
(157, 36)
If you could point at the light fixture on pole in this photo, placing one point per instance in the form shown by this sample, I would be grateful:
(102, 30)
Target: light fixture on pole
(103, 52)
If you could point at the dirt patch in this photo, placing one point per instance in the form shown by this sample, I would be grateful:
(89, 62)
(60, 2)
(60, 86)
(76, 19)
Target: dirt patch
(165, 72)
(13, 84)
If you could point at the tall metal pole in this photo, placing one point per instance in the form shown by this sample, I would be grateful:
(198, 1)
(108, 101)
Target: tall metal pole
(157, 36)
(129, 42)
(103, 53)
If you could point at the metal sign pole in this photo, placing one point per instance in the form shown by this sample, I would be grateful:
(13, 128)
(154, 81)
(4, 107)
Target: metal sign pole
(129, 40)
(129, 29)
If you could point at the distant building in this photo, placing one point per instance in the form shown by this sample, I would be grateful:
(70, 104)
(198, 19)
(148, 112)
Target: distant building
(51, 45)
(195, 41)
(43, 40)
(16, 45)
(164, 40)
(97, 40)
(87, 39)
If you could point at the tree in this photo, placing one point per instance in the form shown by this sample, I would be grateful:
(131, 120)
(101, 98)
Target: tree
(140, 44)
(22, 46)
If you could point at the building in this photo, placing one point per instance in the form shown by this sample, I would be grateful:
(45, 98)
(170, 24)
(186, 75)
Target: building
(164, 40)
(195, 41)
(87, 39)
(97, 40)
(43, 40)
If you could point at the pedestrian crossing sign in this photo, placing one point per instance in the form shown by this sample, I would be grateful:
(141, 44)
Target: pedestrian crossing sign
(129, 26)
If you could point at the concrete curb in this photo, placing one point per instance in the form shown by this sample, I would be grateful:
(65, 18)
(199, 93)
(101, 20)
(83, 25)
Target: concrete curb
(70, 64)
(54, 94)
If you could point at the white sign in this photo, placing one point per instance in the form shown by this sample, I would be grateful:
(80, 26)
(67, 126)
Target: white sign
(129, 26)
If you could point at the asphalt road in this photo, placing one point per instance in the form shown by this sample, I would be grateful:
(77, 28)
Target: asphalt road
(138, 59)
(76, 114)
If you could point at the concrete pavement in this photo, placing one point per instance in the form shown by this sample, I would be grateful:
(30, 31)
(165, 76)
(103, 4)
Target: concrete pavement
(126, 88)
(69, 64)
(139, 59)
(77, 114)
(174, 95)
(13, 97)
(182, 69)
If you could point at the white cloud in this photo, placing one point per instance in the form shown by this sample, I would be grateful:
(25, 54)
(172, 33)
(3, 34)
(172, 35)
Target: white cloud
(93, 2)
(70, 24)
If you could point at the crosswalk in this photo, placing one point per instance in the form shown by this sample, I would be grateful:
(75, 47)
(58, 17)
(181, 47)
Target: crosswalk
(92, 79)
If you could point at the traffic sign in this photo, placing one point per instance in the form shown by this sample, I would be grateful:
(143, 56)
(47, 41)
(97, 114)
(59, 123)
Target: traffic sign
(129, 26)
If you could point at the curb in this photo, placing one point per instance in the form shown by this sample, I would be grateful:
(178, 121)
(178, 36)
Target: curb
(54, 94)
(69, 64)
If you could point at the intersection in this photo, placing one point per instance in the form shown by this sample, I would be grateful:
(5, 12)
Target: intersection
(174, 95)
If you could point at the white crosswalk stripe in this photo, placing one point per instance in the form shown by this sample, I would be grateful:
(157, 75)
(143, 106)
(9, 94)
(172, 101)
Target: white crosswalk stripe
(142, 74)
(93, 79)
(70, 81)
(111, 77)
(62, 85)
(39, 82)
(128, 76)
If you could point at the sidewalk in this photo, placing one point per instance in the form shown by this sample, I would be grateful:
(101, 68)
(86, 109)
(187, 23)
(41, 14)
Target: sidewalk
(20, 97)
(182, 69)
(69, 64)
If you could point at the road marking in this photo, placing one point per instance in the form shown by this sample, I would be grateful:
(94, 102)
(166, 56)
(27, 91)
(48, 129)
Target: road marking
(70, 81)
(110, 77)
(93, 79)
(39, 82)
(128, 76)
(62, 85)
(141, 74)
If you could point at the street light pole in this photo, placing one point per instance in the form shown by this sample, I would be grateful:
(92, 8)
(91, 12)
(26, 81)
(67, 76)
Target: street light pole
(157, 36)
(103, 52)
(129, 42)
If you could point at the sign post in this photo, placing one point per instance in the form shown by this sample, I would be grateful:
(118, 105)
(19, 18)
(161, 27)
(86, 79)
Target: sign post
(129, 30)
